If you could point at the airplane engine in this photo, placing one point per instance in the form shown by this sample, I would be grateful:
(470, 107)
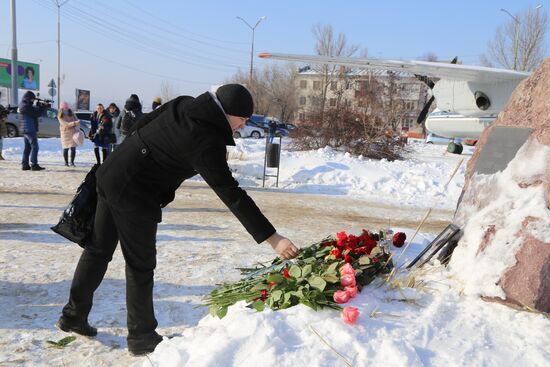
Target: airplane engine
(482, 101)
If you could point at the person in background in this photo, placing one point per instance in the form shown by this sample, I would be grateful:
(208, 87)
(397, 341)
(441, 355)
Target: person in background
(68, 126)
(157, 102)
(101, 128)
(184, 137)
(132, 112)
(29, 128)
(272, 130)
(3, 128)
(114, 111)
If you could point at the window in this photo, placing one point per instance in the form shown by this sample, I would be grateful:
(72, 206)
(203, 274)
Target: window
(302, 101)
(302, 116)
(332, 102)
(316, 85)
(333, 85)
(303, 84)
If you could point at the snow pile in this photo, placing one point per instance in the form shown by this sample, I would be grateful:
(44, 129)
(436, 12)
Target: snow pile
(504, 207)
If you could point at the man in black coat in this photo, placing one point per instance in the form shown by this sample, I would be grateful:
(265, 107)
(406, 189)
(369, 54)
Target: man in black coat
(182, 138)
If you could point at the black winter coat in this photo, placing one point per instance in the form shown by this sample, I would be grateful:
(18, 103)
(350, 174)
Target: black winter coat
(182, 138)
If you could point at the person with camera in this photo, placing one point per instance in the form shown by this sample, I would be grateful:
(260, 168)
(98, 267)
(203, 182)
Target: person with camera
(101, 131)
(182, 138)
(31, 108)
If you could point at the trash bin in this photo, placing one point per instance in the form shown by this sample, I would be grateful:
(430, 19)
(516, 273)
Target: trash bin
(272, 155)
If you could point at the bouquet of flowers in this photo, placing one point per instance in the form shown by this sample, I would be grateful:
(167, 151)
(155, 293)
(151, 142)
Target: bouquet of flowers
(325, 274)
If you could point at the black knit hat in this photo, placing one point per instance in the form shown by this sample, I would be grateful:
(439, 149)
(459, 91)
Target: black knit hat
(236, 100)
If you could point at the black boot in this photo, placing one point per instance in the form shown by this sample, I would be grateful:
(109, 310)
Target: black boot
(73, 154)
(144, 344)
(66, 156)
(82, 328)
(105, 154)
(96, 152)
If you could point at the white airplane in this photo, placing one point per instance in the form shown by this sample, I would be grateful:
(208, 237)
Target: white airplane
(474, 94)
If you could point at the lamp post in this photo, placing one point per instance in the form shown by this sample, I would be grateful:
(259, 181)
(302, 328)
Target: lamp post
(252, 49)
(516, 36)
(14, 67)
(59, 4)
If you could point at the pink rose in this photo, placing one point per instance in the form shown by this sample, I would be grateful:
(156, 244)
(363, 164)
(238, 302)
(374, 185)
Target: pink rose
(341, 297)
(348, 280)
(347, 269)
(352, 291)
(350, 315)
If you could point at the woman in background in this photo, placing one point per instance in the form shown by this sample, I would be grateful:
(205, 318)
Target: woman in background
(101, 129)
(68, 126)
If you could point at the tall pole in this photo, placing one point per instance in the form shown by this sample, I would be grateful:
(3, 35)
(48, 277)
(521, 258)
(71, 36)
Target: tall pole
(516, 36)
(14, 67)
(59, 5)
(252, 46)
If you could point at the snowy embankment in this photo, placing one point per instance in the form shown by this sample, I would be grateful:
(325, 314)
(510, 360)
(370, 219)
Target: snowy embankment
(418, 181)
(432, 323)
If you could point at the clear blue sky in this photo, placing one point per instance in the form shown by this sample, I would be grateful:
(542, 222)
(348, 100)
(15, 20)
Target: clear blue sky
(118, 47)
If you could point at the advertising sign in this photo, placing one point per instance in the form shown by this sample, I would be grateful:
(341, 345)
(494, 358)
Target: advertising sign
(28, 74)
(82, 100)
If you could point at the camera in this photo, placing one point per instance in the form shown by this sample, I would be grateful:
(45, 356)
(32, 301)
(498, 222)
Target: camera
(44, 103)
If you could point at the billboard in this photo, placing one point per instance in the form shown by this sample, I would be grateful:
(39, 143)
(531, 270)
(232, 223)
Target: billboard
(28, 74)
(82, 100)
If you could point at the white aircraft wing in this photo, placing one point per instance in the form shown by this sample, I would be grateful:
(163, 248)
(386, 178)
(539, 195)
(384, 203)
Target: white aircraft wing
(432, 69)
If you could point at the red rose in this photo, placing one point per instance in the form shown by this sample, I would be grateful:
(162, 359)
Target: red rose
(342, 238)
(399, 239)
(285, 273)
(263, 294)
(347, 258)
(272, 284)
(336, 253)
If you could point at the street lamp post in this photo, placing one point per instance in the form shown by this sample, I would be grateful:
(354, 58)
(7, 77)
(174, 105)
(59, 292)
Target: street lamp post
(516, 36)
(59, 4)
(252, 49)
(14, 67)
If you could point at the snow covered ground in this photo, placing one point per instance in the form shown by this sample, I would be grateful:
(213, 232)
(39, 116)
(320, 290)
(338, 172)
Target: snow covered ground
(200, 244)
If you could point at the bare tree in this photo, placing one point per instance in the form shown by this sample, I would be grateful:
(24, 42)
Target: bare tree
(168, 91)
(519, 43)
(329, 45)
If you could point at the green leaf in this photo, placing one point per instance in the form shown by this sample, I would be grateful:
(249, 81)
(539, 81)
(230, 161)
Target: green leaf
(276, 295)
(317, 282)
(287, 297)
(376, 251)
(306, 270)
(221, 312)
(62, 343)
(295, 271)
(276, 278)
(298, 293)
(364, 260)
(309, 260)
(258, 305)
(331, 278)
(332, 267)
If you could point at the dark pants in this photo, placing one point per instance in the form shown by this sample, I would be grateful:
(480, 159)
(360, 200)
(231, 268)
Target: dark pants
(31, 149)
(66, 155)
(137, 232)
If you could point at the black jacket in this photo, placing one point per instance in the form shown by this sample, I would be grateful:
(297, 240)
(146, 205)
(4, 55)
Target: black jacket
(182, 138)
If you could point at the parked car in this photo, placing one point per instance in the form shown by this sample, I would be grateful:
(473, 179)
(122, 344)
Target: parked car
(48, 126)
(436, 139)
(250, 130)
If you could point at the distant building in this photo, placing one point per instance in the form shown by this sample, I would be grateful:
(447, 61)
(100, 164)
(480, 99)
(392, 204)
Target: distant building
(352, 87)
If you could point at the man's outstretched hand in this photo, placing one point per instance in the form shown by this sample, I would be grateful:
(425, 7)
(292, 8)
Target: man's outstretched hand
(283, 246)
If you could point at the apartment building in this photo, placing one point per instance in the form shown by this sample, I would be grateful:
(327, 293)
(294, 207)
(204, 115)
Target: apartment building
(352, 88)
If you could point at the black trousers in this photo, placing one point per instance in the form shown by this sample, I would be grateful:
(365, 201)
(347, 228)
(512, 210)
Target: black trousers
(137, 234)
